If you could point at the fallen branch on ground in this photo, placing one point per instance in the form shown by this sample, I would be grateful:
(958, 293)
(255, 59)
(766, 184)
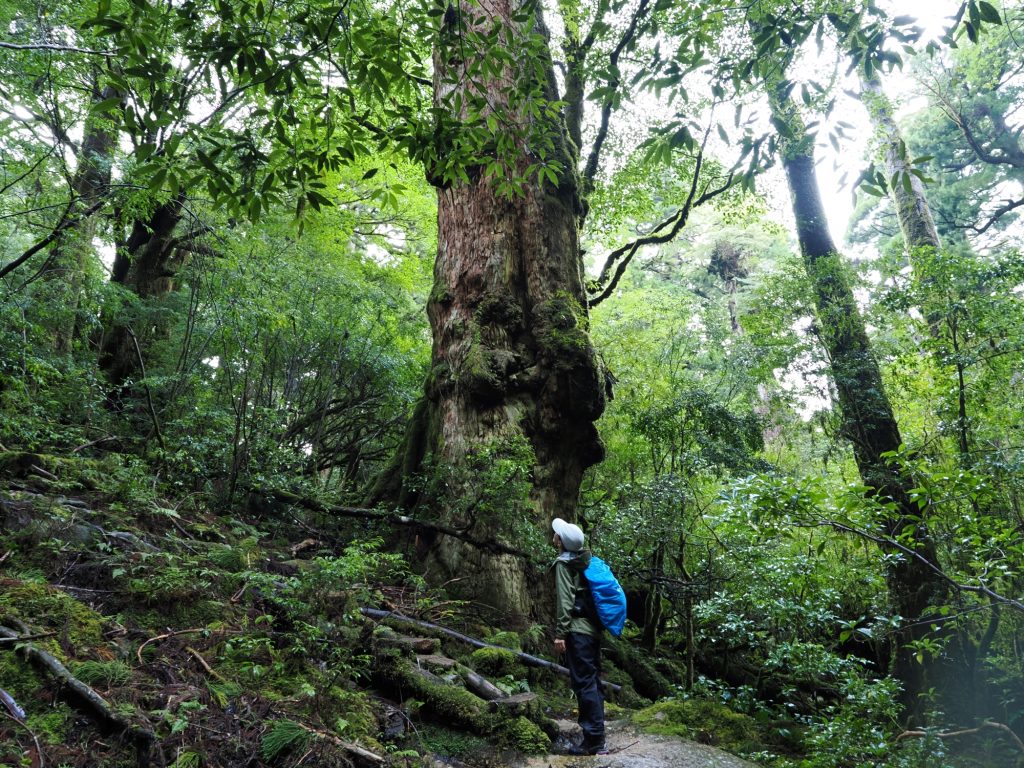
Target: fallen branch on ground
(86, 699)
(527, 659)
(966, 732)
(357, 752)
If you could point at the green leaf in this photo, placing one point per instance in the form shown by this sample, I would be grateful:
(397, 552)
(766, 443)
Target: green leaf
(989, 13)
(101, 107)
(157, 181)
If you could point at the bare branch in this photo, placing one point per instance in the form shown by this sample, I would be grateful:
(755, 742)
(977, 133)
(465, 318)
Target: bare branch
(996, 215)
(673, 223)
(52, 47)
(65, 222)
(590, 170)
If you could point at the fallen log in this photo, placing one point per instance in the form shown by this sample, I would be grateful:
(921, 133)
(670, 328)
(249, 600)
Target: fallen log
(85, 698)
(525, 658)
(480, 685)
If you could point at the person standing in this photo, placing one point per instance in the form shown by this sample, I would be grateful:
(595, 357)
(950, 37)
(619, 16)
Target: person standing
(578, 634)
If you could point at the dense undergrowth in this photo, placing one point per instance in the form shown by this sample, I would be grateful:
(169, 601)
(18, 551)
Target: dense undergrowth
(237, 639)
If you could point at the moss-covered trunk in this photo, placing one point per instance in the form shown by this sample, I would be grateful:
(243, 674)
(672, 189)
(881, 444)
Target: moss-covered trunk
(868, 420)
(68, 263)
(906, 191)
(512, 357)
(146, 266)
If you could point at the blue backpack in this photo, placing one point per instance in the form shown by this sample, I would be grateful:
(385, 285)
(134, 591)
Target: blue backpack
(609, 599)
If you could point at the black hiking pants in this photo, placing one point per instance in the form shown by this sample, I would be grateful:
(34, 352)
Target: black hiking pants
(583, 653)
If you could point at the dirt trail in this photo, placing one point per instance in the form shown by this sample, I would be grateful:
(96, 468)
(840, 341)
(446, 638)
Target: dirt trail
(632, 749)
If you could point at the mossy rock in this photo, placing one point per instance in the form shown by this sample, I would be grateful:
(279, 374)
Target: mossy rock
(496, 662)
(506, 640)
(45, 608)
(645, 677)
(20, 463)
(524, 735)
(707, 722)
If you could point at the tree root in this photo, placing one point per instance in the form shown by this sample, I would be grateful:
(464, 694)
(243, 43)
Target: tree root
(86, 699)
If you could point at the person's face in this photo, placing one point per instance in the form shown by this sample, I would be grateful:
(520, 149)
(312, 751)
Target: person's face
(556, 540)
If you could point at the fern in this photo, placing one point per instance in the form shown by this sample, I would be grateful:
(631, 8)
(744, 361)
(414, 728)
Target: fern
(106, 673)
(187, 760)
(283, 734)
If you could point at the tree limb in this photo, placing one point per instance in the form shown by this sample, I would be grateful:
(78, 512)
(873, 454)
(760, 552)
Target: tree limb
(590, 170)
(996, 215)
(966, 732)
(676, 221)
(902, 548)
(396, 518)
(52, 47)
(66, 221)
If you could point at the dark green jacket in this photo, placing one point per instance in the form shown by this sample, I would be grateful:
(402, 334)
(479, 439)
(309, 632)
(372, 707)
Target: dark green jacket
(569, 579)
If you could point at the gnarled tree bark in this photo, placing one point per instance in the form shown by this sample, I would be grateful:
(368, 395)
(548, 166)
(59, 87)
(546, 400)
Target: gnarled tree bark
(512, 357)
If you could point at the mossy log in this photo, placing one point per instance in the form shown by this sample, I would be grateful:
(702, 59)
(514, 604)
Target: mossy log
(85, 698)
(522, 725)
(525, 658)
(454, 704)
(480, 685)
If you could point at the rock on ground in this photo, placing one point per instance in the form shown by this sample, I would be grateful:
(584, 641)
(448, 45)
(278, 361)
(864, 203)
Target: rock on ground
(631, 748)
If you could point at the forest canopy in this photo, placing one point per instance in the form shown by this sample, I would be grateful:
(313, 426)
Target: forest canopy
(310, 310)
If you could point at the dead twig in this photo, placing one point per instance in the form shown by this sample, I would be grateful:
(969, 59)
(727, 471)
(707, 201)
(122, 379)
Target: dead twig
(138, 652)
(24, 638)
(353, 749)
(916, 734)
(39, 749)
(199, 657)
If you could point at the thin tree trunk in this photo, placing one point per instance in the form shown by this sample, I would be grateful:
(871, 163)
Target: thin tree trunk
(868, 420)
(68, 260)
(512, 357)
(908, 195)
(912, 209)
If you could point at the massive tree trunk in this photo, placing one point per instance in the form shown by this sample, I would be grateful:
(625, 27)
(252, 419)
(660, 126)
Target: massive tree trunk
(512, 357)
(868, 420)
(68, 260)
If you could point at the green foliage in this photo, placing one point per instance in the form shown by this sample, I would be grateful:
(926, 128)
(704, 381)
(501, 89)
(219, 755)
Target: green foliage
(187, 760)
(447, 743)
(493, 661)
(106, 674)
(282, 736)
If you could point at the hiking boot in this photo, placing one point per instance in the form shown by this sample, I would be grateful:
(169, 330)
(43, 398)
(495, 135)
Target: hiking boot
(588, 749)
